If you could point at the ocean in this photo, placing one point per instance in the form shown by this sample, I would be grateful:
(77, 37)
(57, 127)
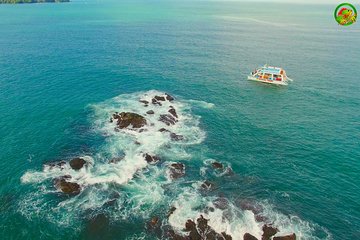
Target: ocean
(289, 155)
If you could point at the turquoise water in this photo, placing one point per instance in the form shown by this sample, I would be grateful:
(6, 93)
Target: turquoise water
(294, 151)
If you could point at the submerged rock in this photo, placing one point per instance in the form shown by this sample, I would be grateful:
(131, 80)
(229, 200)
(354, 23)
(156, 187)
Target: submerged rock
(60, 164)
(221, 203)
(248, 236)
(116, 160)
(177, 170)
(287, 237)
(217, 165)
(268, 232)
(167, 119)
(176, 137)
(97, 227)
(150, 112)
(144, 102)
(126, 119)
(207, 185)
(63, 185)
(154, 222)
(151, 159)
(77, 163)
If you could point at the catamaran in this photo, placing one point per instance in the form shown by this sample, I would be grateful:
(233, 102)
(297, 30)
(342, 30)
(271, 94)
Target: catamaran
(268, 74)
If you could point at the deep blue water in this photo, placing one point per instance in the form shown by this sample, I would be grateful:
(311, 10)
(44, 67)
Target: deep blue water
(295, 150)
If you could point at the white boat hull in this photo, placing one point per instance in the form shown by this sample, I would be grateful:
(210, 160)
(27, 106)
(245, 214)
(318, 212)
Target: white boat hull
(267, 81)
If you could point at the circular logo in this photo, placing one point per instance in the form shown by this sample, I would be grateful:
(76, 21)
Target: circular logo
(345, 14)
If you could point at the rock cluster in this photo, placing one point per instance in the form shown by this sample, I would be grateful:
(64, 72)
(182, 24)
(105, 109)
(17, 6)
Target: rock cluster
(128, 119)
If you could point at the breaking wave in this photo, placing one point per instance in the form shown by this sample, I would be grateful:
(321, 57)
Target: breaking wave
(119, 181)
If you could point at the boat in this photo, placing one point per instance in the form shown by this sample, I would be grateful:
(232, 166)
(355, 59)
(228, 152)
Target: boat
(271, 75)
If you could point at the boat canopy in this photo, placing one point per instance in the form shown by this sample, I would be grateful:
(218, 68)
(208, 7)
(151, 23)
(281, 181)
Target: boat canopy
(271, 70)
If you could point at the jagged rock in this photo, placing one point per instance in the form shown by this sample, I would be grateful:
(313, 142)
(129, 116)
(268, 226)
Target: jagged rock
(116, 160)
(171, 211)
(248, 236)
(125, 119)
(60, 164)
(77, 163)
(173, 112)
(169, 98)
(226, 236)
(63, 185)
(144, 102)
(217, 165)
(200, 231)
(151, 159)
(287, 237)
(177, 170)
(172, 235)
(176, 137)
(163, 130)
(155, 102)
(167, 119)
(150, 112)
(268, 232)
(159, 98)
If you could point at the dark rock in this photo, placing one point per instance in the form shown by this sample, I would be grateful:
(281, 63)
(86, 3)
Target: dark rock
(77, 163)
(144, 102)
(159, 98)
(269, 231)
(177, 170)
(111, 120)
(63, 185)
(167, 119)
(287, 237)
(176, 137)
(116, 160)
(201, 230)
(217, 165)
(137, 143)
(173, 236)
(173, 112)
(163, 130)
(248, 236)
(171, 211)
(60, 164)
(155, 102)
(169, 98)
(150, 112)
(151, 159)
(226, 236)
(125, 119)
(207, 185)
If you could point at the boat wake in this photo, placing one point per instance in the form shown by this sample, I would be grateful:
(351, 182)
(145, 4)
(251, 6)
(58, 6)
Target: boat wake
(150, 169)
